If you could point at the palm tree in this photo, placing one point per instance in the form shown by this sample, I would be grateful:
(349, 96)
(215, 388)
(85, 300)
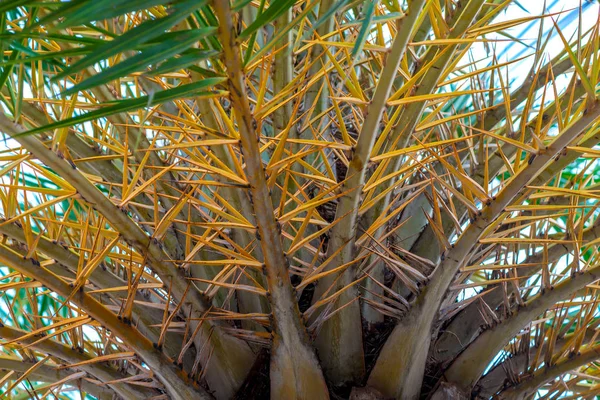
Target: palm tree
(303, 199)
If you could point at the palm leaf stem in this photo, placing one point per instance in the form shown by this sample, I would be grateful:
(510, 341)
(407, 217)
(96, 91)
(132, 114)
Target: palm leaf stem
(174, 380)
(100, 371)
(407, 341)
(340, 340)
(51, 375)
(295, 372)
(196, 305)
(528, 386)
(468, 367)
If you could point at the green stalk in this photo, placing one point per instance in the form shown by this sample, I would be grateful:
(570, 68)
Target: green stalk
(49, 374)
(67, 263)
(231, 358)
(175, 381)
(247, 302)
(465, 326)
(408, 343)
(468, 367)
(317, 53)
(282, 76)
(408, 120)
(340, 340)
(100, 371)
(532, 383)
(318, 60)
(529, 386)
(294, 371)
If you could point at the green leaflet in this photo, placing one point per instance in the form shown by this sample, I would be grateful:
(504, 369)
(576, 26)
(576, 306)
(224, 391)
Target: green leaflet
(50, 56)
(134, 37)
(207, 17)
(252, 40)
(238, 5)
(365, 28)
(8, 5)
(192, 89)
(84, 11)
(277, 8)
(188, 58)
(328, 14)
(51, 36)
(161, 51)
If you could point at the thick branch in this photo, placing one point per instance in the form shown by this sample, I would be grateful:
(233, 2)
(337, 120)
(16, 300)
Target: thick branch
(224, 346)
(50, 375)
(126, 227)
(175, 381)
(530, 385)
(465, 326)
(103, 168)
(295, 372)
(68, 263)
(408, 341)
(494, 380)
(101, 371)
(468, 367)
(340, 340)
